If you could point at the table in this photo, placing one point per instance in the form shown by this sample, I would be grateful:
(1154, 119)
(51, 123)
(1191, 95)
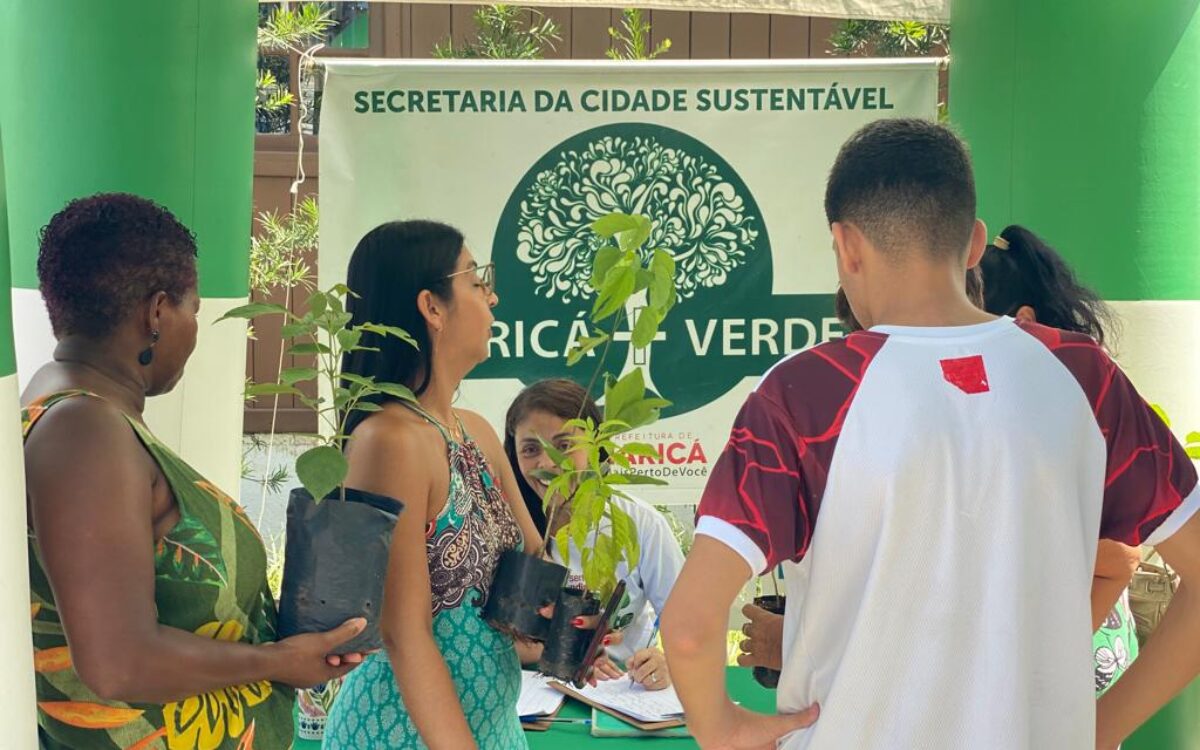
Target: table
(740, 682)
(742, 688)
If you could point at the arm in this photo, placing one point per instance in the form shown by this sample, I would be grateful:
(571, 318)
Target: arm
(389, 457)
(493, 450)
(1115, 564)
(749, 521)
(1170, 659)
(693, 628)
(96, 540)
(1150, 497)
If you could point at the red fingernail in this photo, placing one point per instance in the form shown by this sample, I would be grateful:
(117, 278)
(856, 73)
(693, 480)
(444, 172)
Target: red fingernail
(577, 622)
(607, 639)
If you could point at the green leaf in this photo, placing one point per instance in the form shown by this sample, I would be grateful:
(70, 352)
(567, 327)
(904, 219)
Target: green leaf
(383, 330)
(395, 390)
(292, 330)
(644, 277)
(1193, 437)
(557, 456)
(367, 406)
(563, 540)
(620, 395)
(309, 348)
(600, 569)
(350, 377)
(321, 470)
(583, 346)
(341, 397)
(317, 303)
(662, 295)
(253, 310)
(633, 230)
(348, 338)
(640, 449)
(614, 292)
(643, 411)
(272, 389)
(606, 258)
(620, 459)
(624, 534)
(293, 375)
(611, 224)
(646, 327)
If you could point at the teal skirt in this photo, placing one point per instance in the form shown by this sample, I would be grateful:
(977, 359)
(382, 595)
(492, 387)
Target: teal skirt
(369, 713)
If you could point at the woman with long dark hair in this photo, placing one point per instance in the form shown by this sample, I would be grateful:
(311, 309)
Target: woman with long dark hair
(1026, 278)
(446, 680)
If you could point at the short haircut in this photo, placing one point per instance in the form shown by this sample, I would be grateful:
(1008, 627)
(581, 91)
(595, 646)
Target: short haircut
(102, 255)
(905, 183)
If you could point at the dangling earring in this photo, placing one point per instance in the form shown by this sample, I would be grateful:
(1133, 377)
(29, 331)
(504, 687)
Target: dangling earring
(147, 354)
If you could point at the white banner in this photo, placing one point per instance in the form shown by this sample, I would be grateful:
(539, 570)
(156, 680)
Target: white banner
(729, 160)
(883, 10)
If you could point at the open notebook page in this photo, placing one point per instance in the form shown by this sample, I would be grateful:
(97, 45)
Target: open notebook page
(628, 697)
(537, 697)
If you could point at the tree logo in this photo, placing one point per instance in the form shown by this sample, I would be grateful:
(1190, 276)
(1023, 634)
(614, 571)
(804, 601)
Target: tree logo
(727, 324)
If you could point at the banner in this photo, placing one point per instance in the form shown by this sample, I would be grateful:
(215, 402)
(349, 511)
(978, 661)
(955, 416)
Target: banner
(882, 10)
(728, 159)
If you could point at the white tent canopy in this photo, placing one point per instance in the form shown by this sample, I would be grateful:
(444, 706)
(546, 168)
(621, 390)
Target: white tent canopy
(887, 10)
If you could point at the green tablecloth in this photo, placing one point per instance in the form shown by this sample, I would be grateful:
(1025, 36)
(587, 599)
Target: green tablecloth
(741, 684)
(742, 688)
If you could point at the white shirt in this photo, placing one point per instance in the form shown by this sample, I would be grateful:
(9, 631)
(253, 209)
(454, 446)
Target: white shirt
(942, 491)
(647, 586)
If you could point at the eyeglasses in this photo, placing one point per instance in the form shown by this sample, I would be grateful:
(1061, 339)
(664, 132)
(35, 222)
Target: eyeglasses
(486, 273)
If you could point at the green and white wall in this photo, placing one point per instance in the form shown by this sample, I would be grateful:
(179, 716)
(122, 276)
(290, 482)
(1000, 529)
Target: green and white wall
(1082, 118)
(153, 98)
(1084, 122)
(16, 690)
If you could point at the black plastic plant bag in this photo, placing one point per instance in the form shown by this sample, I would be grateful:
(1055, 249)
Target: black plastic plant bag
(335, 563)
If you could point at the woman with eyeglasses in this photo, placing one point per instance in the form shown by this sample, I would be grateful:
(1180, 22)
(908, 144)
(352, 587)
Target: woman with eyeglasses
(446, 679)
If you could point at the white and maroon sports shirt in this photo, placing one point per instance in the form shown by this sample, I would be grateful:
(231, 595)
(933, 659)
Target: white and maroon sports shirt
(937, 495)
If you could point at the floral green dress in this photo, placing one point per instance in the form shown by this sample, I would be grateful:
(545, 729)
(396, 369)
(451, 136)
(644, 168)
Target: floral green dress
(1115, 645)
(209, 579)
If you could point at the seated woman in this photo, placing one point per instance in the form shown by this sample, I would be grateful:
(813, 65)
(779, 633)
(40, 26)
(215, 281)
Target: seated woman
(447, 679)
(152, 620)
(539, 413)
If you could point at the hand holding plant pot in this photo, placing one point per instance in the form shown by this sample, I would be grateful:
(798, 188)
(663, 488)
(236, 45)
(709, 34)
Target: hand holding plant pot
(590, 473)
(337, 537)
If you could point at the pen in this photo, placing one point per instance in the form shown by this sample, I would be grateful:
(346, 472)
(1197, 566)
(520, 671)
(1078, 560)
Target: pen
(649, 642)
(553, 720)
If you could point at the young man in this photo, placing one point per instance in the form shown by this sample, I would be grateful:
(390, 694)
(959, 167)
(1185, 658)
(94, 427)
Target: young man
(937, 485)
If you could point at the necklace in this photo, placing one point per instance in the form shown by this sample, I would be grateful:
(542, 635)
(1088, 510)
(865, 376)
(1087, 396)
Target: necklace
(454, 434)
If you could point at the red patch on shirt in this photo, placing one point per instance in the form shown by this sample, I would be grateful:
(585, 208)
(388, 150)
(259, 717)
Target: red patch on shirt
(966, 373)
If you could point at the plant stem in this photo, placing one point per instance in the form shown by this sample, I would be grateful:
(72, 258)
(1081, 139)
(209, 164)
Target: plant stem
(262, 500)
(600, 365)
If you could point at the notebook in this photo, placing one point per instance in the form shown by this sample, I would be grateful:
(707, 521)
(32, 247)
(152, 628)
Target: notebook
(537, 701)
(628, 701)
(606, 725)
